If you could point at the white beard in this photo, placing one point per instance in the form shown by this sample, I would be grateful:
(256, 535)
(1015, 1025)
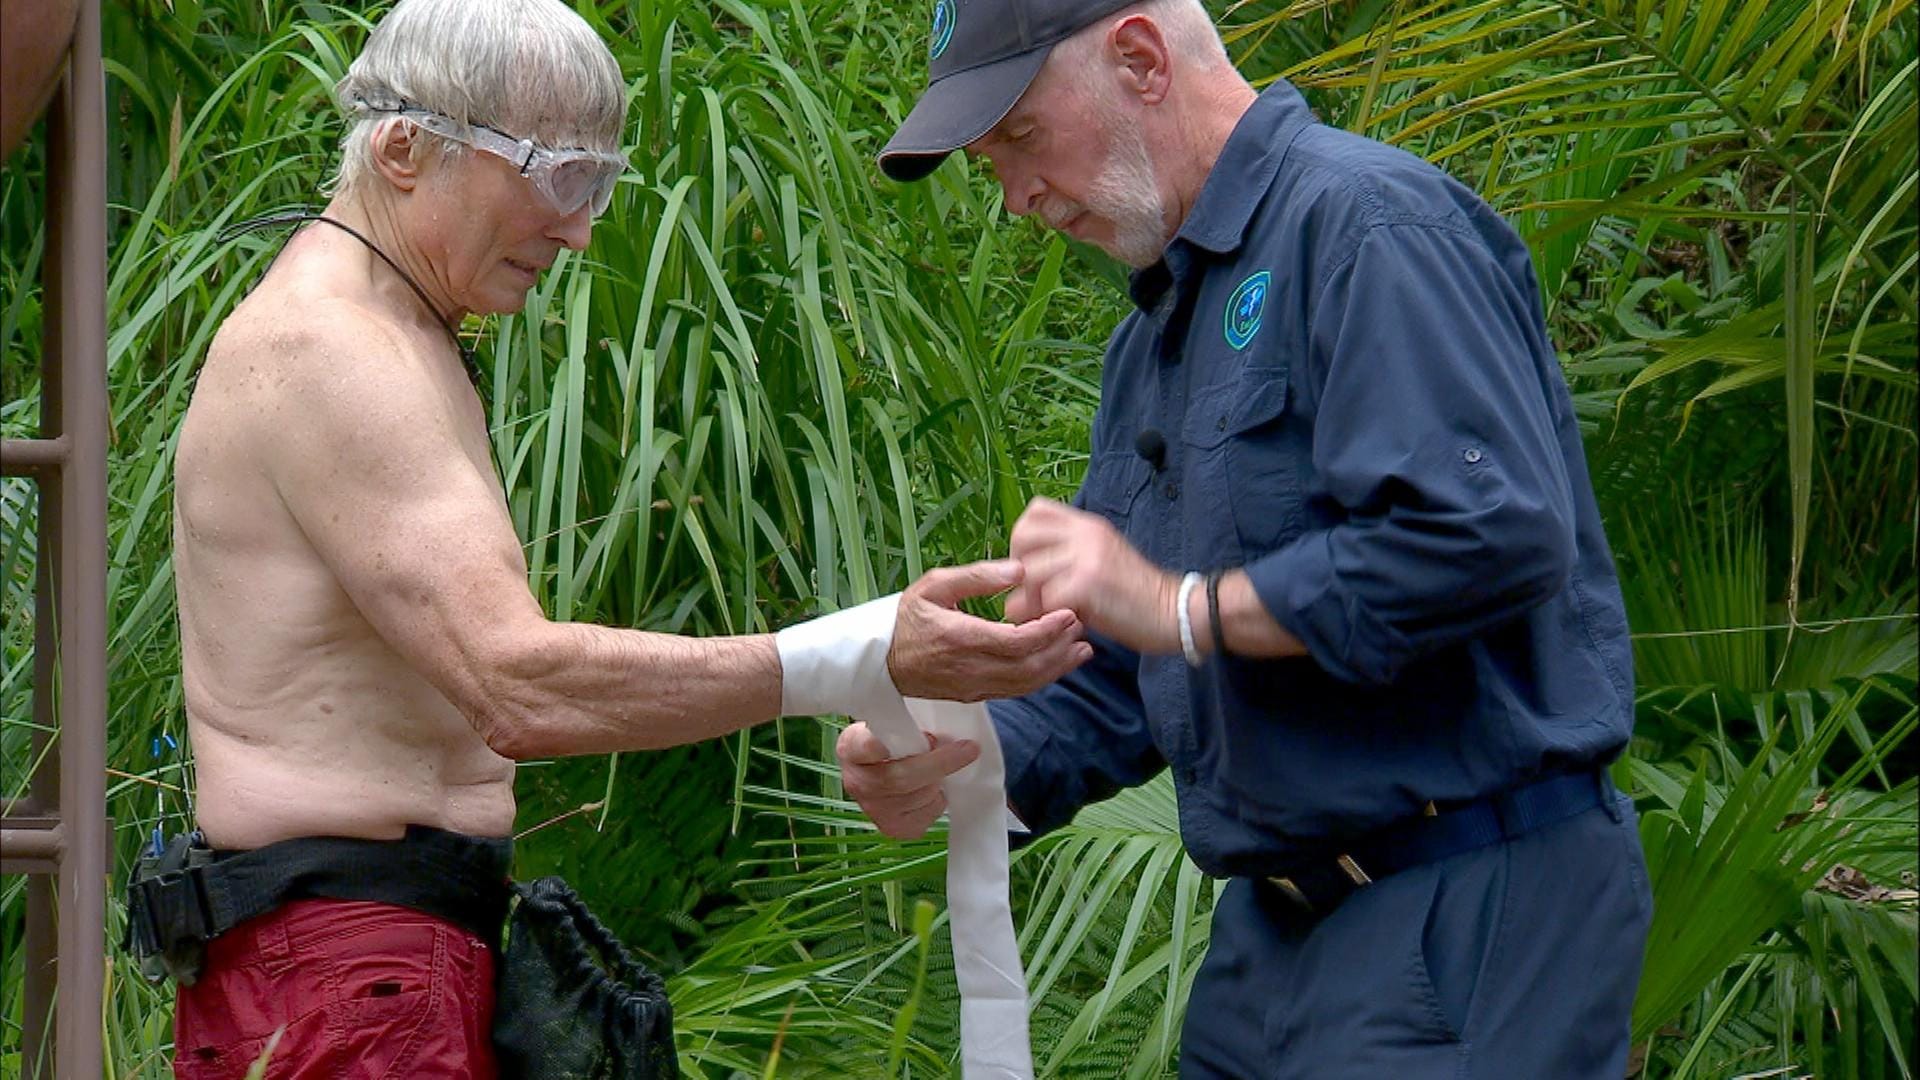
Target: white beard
(1127, 196)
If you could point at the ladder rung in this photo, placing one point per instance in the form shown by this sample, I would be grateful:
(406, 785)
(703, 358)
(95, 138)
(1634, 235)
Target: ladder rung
(31, 845)
(25, 457)
(21, 808)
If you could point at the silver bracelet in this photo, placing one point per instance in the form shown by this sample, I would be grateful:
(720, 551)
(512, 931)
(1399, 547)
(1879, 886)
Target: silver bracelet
(1187, 646)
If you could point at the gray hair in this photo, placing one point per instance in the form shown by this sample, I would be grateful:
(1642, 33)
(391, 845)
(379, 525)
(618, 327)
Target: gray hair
(1189, 31)
(531, 68)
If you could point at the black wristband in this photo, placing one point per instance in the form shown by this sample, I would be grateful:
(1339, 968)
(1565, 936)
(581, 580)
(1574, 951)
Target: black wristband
(1213, 612)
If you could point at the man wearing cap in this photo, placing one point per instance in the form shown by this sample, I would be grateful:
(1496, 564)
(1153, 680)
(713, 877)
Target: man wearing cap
(1339, 556)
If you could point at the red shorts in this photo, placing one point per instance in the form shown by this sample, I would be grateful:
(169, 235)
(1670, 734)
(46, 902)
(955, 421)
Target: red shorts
(357, 989)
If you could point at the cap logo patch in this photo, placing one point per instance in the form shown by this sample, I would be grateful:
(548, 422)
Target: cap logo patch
(1244, 308)
(943, 20)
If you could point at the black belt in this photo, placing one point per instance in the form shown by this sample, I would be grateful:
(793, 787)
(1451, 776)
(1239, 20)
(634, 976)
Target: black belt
(188, 895)
(1318, 885)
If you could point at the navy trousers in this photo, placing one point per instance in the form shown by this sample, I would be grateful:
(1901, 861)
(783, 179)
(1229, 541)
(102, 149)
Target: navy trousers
(1517, 960)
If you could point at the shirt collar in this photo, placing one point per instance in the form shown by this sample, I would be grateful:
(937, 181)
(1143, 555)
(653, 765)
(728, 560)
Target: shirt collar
(1220, 215)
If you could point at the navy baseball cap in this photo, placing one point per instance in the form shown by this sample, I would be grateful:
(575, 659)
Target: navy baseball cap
(981, 56)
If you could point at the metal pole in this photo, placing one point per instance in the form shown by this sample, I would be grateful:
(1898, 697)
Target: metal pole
(42, 792)
(57, 834)
(36, 1019)
(39, 1044)
(81, 267)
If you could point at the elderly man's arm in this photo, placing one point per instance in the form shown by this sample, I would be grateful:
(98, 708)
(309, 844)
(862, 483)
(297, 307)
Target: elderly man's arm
(372, 462)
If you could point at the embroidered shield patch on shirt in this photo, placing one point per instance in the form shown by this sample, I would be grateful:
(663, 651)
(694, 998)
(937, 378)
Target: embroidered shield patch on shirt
(1244, 308)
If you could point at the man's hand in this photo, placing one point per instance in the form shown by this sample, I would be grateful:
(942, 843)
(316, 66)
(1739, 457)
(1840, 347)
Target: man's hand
(940, 651)
(1078, 561)
(901, 795)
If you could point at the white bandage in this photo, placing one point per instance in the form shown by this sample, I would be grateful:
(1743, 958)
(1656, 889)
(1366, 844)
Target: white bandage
(838, 664)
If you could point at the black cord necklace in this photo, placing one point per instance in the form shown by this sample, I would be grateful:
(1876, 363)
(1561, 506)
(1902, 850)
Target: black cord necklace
(294, 217)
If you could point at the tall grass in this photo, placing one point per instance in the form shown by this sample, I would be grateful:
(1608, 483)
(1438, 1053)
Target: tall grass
(741, 405)
(777, 384)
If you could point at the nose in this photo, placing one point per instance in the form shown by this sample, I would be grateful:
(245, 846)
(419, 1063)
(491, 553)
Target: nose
(1020, 187)
(575, 229)
(1019, 190)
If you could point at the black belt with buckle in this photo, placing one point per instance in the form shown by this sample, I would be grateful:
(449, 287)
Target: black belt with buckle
(187, 894)
(1318, 885)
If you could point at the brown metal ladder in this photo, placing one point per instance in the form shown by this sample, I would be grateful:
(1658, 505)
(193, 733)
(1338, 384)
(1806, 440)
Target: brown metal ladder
(56, 832)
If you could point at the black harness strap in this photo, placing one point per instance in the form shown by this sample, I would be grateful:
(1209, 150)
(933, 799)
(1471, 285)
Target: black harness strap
(296, 217)
(300, 216)
(199, 894)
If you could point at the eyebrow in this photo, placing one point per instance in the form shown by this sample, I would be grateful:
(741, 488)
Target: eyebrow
(998, 132)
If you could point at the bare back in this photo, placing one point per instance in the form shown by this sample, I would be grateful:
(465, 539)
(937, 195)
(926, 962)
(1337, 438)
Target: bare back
(305, 720)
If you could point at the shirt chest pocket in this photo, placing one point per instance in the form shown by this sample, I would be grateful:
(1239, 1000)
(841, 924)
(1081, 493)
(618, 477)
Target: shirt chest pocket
(1114, 480)
(1244, 451)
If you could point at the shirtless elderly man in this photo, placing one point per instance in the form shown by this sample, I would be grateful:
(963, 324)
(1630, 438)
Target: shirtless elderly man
(362, 655)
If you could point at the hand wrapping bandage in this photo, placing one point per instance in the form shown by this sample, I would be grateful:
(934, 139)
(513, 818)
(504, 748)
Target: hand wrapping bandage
(838, 664)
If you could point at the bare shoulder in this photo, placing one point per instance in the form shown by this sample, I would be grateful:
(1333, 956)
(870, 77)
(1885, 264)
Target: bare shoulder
(322, 374)
(276, 345)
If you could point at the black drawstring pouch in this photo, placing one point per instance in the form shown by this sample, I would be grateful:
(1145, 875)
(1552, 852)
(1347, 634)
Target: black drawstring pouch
(572, 1003)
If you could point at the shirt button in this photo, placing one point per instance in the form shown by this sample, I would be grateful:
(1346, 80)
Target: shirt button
(1172, 490)
(1220, 424)
(1187, 777)
(1473, 455)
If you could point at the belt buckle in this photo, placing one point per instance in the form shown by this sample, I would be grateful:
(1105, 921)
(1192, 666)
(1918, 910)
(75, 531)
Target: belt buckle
(1348, 866)
(1291, 892)
(1353, 871)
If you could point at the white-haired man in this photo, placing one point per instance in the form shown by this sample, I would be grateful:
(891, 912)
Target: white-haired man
(363, 660)
(1337, 551)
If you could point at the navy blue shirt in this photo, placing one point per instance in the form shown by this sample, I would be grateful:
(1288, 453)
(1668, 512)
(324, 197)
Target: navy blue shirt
(1344, 352)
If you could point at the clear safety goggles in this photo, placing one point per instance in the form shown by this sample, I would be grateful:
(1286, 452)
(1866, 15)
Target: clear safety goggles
(567, 179)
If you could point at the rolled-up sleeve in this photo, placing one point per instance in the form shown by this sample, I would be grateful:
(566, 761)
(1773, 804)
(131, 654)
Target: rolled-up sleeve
(1433, 433)
(1078, 740)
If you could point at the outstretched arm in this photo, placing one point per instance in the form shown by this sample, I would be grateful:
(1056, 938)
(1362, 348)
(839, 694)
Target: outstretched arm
(387, 474)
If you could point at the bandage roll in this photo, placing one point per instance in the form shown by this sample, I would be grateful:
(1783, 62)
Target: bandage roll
(838, 664)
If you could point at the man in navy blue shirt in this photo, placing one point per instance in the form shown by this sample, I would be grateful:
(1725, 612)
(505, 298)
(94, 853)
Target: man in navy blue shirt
(1337, 551)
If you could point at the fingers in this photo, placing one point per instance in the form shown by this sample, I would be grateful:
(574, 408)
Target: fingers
(948, 756)
(939, 651)
(1035, 634)
(984, 659)
(1057, 649)
(949, 585)
(868, 772)
(901, 795)
(910, 824)
(1009, 641)
(1039, 525)
(1057, 659)
(1057, 547)
(858, 745)
(1044, 511)
(1023, 604)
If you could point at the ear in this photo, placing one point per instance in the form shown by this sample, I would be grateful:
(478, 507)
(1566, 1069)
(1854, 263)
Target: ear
(1137, 44)
(395, 152)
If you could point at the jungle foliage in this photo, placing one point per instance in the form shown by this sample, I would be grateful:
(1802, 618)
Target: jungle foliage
(777, 384)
